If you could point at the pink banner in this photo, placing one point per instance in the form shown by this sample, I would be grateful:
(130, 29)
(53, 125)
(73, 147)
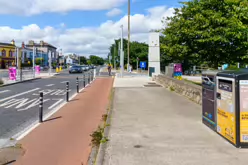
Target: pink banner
(12, 73)
(178, 68)
(37, 69)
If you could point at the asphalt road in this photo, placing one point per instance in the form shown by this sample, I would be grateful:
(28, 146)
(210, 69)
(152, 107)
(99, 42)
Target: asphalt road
(19, 103)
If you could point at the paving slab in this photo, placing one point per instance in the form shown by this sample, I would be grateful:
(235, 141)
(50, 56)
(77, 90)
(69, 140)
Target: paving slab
(154, 126)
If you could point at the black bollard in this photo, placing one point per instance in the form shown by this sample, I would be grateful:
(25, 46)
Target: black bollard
(41, 108)
(88, 78)
(67, 91)
(77, 82)
(84, 80)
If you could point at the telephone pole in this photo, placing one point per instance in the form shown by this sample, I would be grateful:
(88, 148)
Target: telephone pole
(128, 44)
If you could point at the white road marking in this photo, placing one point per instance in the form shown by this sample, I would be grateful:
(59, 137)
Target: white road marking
(56, 103)
(49, 85)
(26, 131)
(63, 82)
(19, 94)
(4, 91)
(35, 103)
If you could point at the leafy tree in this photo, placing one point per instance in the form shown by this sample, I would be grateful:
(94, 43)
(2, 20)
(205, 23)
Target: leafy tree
(211, 32)
(96, 60)
(82, 60)
(137, 50)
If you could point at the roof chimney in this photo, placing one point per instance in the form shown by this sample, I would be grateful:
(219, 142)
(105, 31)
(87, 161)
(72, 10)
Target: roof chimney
(42, 43)
(13, 42)
(31, 42)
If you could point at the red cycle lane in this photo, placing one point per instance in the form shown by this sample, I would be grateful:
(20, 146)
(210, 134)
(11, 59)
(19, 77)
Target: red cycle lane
(64, 139)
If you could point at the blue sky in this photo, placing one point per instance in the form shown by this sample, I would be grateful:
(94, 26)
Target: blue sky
(56, 24)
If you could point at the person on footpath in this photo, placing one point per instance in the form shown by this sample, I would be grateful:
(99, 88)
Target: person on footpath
(109, 69)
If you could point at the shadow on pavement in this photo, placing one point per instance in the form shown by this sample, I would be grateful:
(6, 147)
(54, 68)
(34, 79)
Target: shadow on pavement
(54, 118)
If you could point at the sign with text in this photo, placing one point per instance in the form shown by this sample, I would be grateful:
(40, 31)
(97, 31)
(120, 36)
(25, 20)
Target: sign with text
(37, 69)
(243, 87)
(142, 64)
(226, 116)
(12, 73)
(178, 68)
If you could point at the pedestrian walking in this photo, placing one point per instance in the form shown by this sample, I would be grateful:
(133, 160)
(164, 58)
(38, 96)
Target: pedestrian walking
(109, 69)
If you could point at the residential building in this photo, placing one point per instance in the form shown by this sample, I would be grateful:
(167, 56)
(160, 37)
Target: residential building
(27, 56)
(7, 55)
(72, 59)
(45, 48)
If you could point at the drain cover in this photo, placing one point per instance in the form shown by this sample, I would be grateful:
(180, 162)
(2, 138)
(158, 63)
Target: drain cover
(137, 146)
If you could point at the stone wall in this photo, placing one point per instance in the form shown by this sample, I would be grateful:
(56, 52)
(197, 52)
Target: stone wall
(187, 89)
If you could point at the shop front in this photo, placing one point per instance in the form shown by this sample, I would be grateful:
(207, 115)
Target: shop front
(6, 62)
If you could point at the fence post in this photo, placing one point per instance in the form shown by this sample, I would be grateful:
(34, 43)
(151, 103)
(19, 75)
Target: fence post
(41, 108)
(67, 91)
(77, 82)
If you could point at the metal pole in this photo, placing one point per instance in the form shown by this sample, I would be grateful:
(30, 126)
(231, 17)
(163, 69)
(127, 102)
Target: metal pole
(121, 53)
(41, 108)
(50, 62)
(33, 62)
(77, 85)
(137, 65)
(128, 44)
(20, 74)
(67, 91)
(84, 80)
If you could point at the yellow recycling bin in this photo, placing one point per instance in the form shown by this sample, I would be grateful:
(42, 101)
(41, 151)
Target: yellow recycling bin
(60, 68)
(57, 69)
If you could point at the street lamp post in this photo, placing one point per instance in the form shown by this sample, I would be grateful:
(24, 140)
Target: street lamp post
(128, 45)
(121, 52)
(34, 62)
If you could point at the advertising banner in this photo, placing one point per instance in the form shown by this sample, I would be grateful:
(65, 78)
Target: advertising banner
(178, 68)
(226, 117)
(243, 88)
(12, 73)
(37, 69)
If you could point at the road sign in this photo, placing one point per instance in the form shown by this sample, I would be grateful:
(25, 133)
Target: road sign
(142, 64)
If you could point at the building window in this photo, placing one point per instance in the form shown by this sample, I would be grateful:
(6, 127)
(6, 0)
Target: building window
(4, 53)
(10, 53)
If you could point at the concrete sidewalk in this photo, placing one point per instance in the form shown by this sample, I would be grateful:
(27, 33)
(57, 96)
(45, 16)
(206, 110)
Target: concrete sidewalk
(154, 126)
(64, 139)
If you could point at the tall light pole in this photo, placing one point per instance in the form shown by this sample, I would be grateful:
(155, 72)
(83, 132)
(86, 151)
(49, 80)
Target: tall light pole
(34, 61)
(122, 52)
(128, 44)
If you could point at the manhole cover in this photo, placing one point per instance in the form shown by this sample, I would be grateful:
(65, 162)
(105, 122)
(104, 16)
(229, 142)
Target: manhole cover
(152, 85)
(137, 146)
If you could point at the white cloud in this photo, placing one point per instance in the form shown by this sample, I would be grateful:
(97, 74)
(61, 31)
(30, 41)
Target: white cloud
(90, 40)
(114, 12)
(31, 7)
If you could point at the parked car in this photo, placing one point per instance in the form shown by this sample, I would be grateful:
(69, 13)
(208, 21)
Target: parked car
(76, 69)
(83, 68)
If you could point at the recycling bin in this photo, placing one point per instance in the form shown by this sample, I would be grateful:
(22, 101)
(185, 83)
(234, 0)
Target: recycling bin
(232, 107)
(209, 98)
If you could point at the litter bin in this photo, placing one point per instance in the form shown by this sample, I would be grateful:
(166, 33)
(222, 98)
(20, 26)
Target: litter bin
(209, 98)
(232, 106)
(151, 70)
